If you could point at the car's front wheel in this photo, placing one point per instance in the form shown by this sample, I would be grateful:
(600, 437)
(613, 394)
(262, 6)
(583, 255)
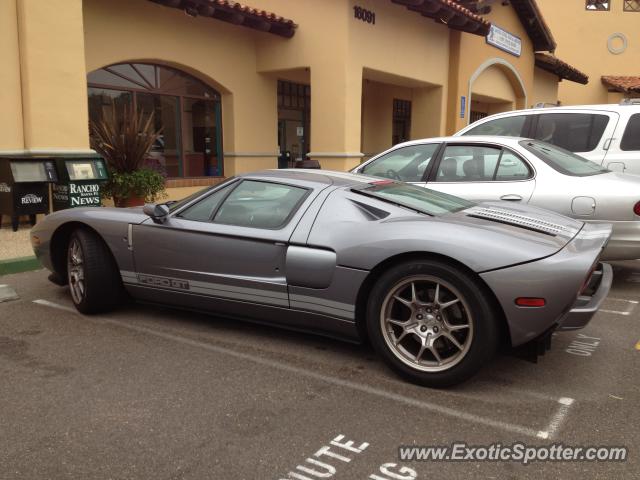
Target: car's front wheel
(431, 322)
(94, 279)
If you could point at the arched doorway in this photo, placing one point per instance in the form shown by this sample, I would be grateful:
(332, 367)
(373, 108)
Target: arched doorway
(496, 86)
(187, 110)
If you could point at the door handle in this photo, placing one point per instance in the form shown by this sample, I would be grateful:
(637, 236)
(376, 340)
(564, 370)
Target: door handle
(607, 143)
(511, 197)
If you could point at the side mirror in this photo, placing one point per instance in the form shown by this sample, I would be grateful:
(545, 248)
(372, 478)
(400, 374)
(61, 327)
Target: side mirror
(158, 213)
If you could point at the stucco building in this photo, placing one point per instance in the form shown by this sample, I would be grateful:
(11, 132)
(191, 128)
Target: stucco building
(601, 36)
(238, 88)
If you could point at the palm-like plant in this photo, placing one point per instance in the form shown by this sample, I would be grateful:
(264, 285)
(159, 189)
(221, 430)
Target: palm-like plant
(124, 142)
(124, 139)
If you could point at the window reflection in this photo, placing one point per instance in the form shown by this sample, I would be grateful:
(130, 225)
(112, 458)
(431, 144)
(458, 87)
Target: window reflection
(187, 110)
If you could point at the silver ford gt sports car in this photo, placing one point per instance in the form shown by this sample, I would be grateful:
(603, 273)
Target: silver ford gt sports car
(435, 282)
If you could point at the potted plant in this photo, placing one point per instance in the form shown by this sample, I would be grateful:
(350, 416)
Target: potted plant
(124, 139)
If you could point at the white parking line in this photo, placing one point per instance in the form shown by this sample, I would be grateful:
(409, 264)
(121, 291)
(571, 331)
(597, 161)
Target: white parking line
(623, 300)
(451, 412)
(617, 312)
(558, 419)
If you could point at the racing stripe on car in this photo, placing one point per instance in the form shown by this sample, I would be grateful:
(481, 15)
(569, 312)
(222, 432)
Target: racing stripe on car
(315, 304)
(301, 302)
(207, 288)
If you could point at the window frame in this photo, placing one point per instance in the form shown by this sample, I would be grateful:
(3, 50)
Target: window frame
(554, 166)
(200, 195)
(160, 91)
(596, 3)
(626, 6)
(204, 197)
(287, 219)
(502, 148)
(626, 130)
(527, 126)
(537, 117)
(427, 172)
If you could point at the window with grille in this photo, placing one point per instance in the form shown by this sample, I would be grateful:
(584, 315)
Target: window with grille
(401, 121)
(475, 116)
(598, 5)
(294, 122)
(632, 5)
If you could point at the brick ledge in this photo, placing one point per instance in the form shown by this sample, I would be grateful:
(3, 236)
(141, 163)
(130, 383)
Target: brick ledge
(193, 182)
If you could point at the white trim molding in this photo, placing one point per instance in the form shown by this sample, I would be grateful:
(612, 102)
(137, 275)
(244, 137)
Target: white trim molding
(489, 63)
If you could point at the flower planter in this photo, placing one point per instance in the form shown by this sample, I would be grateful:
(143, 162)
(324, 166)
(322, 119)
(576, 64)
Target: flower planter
(130, 201)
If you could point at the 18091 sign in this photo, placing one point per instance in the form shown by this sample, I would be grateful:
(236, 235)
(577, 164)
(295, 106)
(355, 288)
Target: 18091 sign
(364, 15)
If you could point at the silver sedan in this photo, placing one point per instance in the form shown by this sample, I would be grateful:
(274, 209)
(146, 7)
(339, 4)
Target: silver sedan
(521, 171)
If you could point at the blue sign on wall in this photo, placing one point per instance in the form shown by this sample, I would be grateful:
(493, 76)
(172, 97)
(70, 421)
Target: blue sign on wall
(463, 106)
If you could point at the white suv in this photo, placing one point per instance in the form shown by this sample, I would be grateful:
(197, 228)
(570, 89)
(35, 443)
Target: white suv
(606, 134)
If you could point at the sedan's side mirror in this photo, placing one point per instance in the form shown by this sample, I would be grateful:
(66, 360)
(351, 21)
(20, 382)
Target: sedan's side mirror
(158, 213)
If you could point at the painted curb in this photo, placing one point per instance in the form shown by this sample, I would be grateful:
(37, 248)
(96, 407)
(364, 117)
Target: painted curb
(19, 265)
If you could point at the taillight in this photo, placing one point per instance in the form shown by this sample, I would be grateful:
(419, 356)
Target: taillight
(636, 208)
(530, 302)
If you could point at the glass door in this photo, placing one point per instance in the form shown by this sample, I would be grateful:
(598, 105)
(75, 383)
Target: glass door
(201, 139)
(166, 150)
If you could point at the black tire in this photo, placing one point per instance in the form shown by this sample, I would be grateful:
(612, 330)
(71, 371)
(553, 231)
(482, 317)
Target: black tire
(103, 290)
(479, 346)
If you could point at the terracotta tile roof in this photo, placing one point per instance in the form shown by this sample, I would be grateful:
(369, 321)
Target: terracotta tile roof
(450, 13)
(622, 84)
(553, 64)
(236, 13)
(530, 16)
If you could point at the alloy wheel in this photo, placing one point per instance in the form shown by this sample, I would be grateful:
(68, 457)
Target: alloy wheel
(426, 323)
(75, 269)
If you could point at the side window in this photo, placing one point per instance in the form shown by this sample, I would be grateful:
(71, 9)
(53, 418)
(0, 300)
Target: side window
(260, 205)
(512, 168)
(511, 126)
(576, 132)
(407, 164)
(631, 138)
(467, 163)
(202, 211)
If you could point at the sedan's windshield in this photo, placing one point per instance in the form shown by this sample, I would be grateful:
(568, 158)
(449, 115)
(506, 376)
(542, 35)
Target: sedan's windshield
(563, 160)
(417, 198)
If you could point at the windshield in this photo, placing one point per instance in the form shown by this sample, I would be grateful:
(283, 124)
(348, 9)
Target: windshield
(421, 199)
(563, 160)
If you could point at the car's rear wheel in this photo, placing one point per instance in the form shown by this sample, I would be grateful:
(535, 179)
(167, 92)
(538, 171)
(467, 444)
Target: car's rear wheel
(94, 280)
(431, 322)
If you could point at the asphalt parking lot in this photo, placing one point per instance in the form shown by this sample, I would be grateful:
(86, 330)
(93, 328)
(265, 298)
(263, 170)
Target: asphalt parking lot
(147, 392)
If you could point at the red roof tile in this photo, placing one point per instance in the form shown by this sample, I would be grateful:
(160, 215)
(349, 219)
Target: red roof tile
(553, 64)
(236, 13)
(450, 13)
(622, 84)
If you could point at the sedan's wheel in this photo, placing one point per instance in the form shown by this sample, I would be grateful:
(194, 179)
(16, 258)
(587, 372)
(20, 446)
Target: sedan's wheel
(432, 322)
(94, 280)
